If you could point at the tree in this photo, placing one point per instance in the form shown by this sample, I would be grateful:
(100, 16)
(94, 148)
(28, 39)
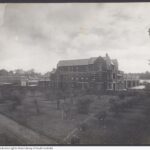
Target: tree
(11, 73)
(75, 139)
(149, 31)
(19, 72)
(36, 106)
(83, 104)
(30, 73)
(3, 72)
(16, 99)
(101, 116)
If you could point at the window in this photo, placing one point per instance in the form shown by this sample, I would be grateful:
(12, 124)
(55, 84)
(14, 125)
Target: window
(74, 68)
(113, 67)
(114, 76)
(110, 86)
(72, 85)
(100, 67)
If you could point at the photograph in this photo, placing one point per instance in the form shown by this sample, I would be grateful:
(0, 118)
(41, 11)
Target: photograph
(75, 74)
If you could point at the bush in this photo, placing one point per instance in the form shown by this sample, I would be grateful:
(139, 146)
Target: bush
(101, 116)
(121, 95)
(112, 101)
(83, 127)
(16, 98)
(83, 104)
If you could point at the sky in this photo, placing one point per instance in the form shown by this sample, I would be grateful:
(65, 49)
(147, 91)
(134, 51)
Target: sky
(39, 35)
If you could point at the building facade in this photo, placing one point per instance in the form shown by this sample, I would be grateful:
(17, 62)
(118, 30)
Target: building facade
(130, 80)
(13, 79)
(97, 73)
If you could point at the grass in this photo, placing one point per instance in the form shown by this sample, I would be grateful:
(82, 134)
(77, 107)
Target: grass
(126, 120)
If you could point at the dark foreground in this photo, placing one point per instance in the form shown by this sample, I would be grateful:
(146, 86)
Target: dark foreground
(113, 119)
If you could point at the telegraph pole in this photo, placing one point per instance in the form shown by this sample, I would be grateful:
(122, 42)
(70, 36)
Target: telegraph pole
(149, 31)
(149, 35)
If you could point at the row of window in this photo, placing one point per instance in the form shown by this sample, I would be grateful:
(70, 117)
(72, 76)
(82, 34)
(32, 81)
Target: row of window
(77, 68)
(112, 76)
(81, 78)
(94, 77)
(73, 68)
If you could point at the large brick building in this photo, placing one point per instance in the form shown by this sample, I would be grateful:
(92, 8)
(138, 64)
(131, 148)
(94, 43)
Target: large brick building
(100, 73)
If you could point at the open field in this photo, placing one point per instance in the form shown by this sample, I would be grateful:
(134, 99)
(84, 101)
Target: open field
(108, 119)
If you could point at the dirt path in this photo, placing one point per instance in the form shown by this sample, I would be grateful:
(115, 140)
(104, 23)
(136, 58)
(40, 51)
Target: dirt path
(76, 130)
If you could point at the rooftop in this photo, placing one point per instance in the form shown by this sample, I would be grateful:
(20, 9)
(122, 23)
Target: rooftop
(76, 62)
(79, 62)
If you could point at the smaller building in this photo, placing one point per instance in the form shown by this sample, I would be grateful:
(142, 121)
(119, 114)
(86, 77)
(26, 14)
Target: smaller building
(44, 82)
(32, 82)
(130, 80)
(13, 80)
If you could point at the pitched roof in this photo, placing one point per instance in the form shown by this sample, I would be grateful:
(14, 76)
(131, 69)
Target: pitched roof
(76, 62)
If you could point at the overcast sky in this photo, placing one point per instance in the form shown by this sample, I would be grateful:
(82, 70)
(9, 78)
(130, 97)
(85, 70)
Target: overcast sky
(39, 35)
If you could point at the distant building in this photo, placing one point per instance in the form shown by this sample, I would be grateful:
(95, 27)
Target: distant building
(13, 80)
(32, 82)
(98, 73)
(44, 82)
(19, 80)
(131, 80)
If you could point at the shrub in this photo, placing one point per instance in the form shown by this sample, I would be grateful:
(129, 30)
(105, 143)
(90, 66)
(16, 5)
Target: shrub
(121, 95)
(83, 127)
(16, 98)
(101, 115)
(83, 104)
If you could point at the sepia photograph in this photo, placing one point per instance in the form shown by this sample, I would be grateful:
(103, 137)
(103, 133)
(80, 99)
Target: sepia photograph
(75, 74)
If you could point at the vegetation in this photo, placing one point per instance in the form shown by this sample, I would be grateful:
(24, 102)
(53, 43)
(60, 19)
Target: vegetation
(102, 127)
(16, 98)
(83, 104)
(145, 75)
(20, 72)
